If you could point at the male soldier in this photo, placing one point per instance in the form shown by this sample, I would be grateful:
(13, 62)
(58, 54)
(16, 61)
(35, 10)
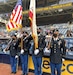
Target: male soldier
(37, 54)
(13, 53)
(24, 53)
(56, 46)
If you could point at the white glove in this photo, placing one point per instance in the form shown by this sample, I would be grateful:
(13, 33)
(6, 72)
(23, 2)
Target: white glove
(19, 35)
(36, 51)
(16, 56)
(46, 50)
(22, 51)
(4, 51)
(63, 59)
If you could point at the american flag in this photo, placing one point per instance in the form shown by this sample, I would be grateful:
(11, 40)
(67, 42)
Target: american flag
(32, 17)
(15, 21)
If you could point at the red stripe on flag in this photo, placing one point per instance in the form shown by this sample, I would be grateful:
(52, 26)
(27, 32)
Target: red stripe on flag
(31, 18)
(13, 14)
(20, 17)
(15, 10)
(18, 14)
(30, 15)
(12, 24)
(8, 26)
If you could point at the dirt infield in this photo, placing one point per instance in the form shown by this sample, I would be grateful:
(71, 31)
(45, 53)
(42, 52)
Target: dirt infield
(6, 70)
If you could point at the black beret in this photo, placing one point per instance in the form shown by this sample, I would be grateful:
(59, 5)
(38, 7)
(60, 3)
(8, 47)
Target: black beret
(26, 32)
(55, 30)
(13, 35)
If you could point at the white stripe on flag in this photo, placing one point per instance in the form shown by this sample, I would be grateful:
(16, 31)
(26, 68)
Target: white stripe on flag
(18, 21)
(12, 14)
(14, 25)
(10, 25)
(18, 10)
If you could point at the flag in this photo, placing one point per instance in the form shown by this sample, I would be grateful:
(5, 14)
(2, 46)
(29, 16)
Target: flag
(32, 17)
(15, 21)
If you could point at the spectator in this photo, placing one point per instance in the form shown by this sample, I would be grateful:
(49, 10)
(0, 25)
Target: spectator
(68, 33)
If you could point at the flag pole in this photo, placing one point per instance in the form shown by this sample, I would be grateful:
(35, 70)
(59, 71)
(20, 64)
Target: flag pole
(21, 39)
